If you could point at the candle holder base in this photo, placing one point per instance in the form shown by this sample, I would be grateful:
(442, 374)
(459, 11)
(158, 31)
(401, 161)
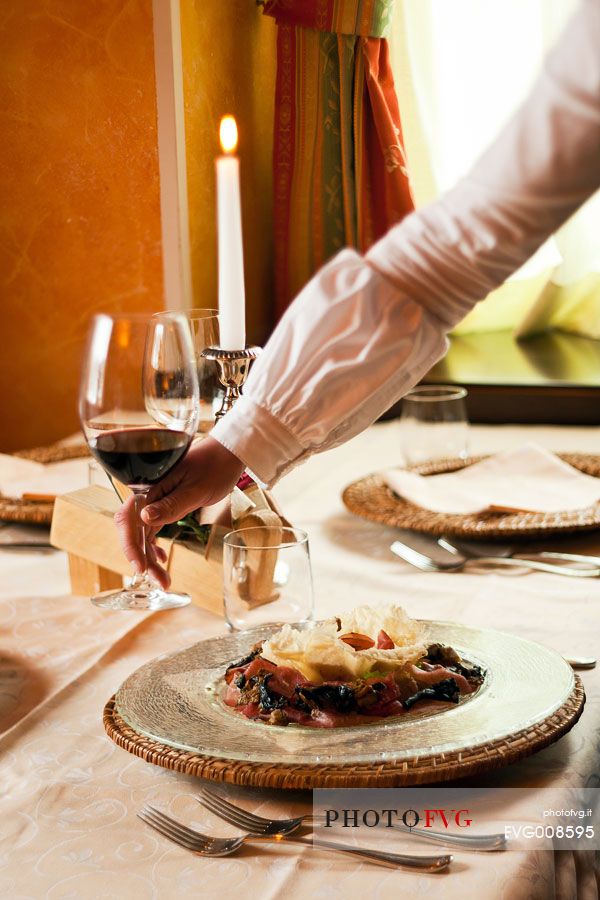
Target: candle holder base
(234, 366)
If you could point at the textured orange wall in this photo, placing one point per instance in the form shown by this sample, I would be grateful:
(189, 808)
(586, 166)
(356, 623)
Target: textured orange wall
(79, 208)
(229, 64)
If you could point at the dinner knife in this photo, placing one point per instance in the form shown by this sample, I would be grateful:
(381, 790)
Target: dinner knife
(511, 551)
(426, 553)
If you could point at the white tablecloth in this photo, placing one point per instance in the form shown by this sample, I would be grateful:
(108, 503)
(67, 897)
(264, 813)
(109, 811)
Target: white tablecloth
(69, 796)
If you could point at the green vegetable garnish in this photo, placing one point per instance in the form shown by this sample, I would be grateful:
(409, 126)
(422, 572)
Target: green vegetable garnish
(374, 673)
(185, 529)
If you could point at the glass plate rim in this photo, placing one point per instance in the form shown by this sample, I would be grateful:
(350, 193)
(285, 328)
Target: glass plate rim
(386, 727)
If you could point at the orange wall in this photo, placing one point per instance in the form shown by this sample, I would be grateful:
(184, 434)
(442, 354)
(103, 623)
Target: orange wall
(79, 210)
(229, 65)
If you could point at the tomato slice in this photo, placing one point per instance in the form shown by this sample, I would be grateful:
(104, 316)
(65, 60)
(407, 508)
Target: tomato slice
(358, 641)
(384, 641)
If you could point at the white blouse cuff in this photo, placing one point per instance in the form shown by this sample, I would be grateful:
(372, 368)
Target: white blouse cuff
(258, 439)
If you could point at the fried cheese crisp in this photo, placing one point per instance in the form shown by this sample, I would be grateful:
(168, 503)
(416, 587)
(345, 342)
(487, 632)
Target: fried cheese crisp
(320, 654)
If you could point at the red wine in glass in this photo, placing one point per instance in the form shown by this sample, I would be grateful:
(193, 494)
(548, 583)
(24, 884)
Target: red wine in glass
(139, 410)
(139, 457)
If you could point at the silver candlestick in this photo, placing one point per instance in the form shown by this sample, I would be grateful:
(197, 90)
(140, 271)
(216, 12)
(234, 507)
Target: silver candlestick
(234, 366)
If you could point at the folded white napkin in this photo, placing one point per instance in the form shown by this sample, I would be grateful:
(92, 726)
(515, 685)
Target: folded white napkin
(23, 476)
(529, 478)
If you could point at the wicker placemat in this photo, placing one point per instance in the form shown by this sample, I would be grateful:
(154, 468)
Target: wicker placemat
(33, 511)
(372, 499)
(54, 453)
(418, 770)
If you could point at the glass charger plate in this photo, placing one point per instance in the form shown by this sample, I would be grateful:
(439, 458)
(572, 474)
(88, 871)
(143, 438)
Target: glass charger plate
(175, 700)
(371, 498)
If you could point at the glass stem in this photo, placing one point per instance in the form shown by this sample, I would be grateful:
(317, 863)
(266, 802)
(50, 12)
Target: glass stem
(140, 498)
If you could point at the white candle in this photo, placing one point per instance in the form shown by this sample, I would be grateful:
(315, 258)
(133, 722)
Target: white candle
(232, 300)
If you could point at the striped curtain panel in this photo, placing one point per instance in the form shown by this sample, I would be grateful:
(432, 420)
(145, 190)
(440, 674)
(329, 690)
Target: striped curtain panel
(340, 175)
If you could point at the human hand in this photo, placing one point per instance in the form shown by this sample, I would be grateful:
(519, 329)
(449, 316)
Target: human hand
(206, 474)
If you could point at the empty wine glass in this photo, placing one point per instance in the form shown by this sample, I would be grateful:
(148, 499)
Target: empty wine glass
(267, 576)
(204, 324)
(434, 423)
(204, 327)
(138, 406)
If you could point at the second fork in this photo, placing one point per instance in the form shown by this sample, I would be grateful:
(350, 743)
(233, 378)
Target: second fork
(259, 825)
(206, 845)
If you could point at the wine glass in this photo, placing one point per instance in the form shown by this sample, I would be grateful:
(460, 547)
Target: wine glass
(434, 423)
(138, 405)
(267, 576)
(204, 326)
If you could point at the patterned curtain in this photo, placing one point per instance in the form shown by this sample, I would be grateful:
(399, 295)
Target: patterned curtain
(340, 174)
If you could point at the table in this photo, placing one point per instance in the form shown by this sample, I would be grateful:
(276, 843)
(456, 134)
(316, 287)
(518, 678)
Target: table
(69, 796)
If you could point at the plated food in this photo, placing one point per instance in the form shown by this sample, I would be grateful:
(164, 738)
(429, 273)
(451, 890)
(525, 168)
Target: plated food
(373, 664)
(171, 712)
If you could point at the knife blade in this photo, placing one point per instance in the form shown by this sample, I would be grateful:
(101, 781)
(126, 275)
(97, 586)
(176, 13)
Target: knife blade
(476, 549)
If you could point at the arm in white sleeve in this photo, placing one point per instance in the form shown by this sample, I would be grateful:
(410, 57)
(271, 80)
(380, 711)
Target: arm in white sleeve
(365, 330)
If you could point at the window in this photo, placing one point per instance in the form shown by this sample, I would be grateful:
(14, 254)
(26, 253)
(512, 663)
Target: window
(462, 68)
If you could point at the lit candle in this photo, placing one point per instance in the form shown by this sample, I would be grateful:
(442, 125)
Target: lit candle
(232, 301)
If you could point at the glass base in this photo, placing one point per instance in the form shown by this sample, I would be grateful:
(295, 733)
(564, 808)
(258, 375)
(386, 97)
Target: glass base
(152, 599)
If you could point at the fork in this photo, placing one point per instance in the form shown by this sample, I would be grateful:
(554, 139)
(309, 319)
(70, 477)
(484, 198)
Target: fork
(258, 825)
(250, 821)
(205, 845)
(429, 564)
(509, 557)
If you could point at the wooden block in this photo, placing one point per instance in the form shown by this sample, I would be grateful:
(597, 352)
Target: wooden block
(195, 575)
(87, 578)
(83, 526)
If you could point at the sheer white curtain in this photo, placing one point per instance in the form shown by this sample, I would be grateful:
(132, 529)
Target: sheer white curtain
(462, 67)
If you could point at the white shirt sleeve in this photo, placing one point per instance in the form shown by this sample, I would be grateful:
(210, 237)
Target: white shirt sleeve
(364, 330)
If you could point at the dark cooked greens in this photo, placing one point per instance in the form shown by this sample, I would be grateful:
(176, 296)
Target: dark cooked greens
(339, 697)
(244, 662)
(446, 690)
(267, 700)
(438, 654)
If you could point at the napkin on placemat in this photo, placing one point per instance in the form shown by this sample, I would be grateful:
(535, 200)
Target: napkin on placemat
(20, 477)
(527, 479)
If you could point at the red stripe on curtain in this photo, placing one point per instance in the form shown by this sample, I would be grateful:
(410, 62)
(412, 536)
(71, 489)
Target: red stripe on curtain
(339, 164)
(283, 152)
(390, 193)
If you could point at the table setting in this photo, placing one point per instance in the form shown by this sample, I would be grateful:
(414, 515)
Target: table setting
(64, 771)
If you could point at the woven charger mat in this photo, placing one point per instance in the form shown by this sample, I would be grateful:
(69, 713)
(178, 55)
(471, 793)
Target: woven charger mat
(33, 511)
(372, 499)
(411, 771)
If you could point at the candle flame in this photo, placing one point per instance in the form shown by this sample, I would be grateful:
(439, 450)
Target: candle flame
(123, 334)
(229, 134)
